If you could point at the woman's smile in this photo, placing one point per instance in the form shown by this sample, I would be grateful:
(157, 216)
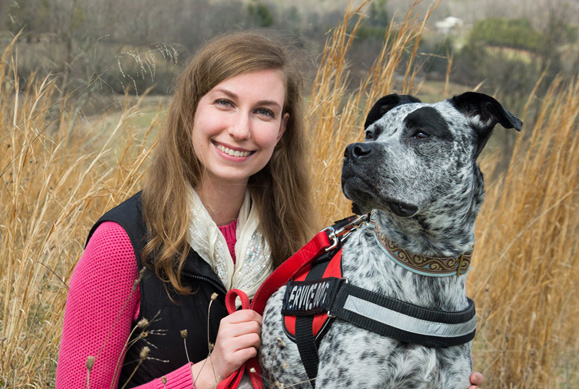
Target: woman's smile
(232, 151)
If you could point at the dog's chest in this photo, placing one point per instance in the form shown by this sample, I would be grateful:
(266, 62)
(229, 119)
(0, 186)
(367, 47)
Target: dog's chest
(352, 357)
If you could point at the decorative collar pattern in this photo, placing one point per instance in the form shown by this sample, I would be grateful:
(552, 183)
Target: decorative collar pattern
(421, 264)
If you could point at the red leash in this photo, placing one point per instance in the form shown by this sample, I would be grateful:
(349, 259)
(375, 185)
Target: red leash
(281, 276)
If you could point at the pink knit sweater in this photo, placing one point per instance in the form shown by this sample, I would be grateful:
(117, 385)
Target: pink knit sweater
(103, 301)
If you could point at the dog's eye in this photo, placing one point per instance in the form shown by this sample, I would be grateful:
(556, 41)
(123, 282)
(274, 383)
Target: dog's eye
(420, 135)
(369, 135)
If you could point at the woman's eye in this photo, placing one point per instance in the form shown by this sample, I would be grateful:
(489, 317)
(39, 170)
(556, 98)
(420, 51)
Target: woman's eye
(265, 112)
(420, 135)
(224, 102)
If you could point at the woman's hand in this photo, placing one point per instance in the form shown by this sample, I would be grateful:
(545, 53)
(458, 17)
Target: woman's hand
(476, 379)
(238, 339)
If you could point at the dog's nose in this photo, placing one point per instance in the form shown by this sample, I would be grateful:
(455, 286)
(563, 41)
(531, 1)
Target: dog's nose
(357, 150)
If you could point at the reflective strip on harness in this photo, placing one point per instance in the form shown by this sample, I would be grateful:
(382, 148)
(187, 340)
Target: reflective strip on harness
(403, 321)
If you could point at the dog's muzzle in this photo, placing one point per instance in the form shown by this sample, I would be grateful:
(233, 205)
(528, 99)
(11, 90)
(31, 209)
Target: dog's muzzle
(360, 160)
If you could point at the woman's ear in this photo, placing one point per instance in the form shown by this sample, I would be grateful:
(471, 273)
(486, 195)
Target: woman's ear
(283, 125)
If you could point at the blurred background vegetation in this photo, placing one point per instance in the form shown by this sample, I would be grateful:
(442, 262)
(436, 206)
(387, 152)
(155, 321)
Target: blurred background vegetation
(132, 45)
(102, 48)
(84, 83)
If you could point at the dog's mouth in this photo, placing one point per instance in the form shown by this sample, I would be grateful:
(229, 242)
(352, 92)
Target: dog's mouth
(365, 197)
(402, 209)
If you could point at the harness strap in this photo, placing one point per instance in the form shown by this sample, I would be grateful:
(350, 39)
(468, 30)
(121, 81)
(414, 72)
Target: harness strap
(305, 338)
(404, 321)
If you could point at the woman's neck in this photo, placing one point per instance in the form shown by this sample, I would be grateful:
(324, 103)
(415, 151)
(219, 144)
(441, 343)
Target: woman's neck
(223, 202)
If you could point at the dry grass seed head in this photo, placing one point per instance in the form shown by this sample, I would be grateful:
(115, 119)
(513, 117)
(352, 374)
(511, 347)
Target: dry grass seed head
(89, 363)
(144, 353)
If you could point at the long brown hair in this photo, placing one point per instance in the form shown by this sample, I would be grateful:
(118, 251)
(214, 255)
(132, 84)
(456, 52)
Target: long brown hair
(280, 191)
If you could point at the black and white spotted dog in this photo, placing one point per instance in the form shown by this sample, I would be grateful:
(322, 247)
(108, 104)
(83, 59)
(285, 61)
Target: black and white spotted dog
(417, 173)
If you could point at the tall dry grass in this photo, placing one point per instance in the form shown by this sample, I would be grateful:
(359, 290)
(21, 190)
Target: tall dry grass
(55, 183)
(526, 274)
(51, 187)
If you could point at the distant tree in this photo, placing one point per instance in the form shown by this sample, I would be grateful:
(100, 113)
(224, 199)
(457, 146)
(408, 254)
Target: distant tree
(557, 22)
(289, 19)
(514, 33)
(292, 15)
(378, 14)
(436, 58)
(377, 23)
(4, 5)
(27, 15)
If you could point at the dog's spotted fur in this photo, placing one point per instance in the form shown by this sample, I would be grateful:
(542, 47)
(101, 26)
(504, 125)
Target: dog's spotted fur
(417, 171)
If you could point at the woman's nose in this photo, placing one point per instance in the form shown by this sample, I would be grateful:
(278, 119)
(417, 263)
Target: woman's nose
(240, 127)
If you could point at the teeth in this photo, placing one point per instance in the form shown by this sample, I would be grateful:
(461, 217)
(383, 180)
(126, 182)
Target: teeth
(233, 153)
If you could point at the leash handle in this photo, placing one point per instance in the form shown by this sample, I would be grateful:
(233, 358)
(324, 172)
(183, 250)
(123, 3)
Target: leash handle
(277, 279)
(232, 296)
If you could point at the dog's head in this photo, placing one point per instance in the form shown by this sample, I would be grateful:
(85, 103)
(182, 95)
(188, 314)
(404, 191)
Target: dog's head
(417, 157)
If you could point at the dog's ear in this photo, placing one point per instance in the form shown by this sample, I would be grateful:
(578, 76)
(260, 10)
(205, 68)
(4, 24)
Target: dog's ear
(488, 111)
(385, 104)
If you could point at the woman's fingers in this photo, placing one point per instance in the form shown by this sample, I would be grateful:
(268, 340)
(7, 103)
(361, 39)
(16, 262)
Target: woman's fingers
(232, 329)
(476, 379)
(244, 315)
(238, 339)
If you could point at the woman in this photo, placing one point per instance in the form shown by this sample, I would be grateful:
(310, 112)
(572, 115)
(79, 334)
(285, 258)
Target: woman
(231, 155)
(226, 199)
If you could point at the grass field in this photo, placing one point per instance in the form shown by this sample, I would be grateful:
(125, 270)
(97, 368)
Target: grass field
(59, 174)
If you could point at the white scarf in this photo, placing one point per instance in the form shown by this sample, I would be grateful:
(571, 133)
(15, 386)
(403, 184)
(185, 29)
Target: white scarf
(253, 256)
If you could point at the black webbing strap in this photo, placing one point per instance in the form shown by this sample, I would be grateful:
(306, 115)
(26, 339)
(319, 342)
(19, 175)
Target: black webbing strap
(363, 308)
(305, 338)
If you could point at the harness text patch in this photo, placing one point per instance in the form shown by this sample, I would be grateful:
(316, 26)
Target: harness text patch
(303, 298)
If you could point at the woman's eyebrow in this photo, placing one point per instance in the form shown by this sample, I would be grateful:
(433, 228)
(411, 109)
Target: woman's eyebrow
(226, 92)
(234, 96)
(269, 102)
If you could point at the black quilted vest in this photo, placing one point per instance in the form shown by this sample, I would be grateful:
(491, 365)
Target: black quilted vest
(167, 318)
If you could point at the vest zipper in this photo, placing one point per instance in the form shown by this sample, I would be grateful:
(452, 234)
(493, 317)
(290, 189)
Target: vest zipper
(202, 278)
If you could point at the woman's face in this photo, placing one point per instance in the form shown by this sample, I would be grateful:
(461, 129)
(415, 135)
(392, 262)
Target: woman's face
(237, 125)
